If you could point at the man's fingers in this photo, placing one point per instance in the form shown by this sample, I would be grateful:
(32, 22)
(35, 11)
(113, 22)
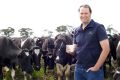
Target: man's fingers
(88, 70)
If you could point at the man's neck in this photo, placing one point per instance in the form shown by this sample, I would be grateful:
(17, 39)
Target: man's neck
(85, 24)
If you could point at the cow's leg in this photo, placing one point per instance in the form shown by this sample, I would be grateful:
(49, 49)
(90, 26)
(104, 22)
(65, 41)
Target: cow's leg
(24, 74)
(67, 72)
(109, 63)
(45, 65)
(13, 74)
(13, 67)
(1, 73)
(30, 76)
(60, 71)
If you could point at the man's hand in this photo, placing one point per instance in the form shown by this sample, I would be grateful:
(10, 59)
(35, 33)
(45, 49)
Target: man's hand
(93, 69)
(70, 49)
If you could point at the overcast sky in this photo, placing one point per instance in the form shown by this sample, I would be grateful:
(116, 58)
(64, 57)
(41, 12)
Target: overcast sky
(49, 14)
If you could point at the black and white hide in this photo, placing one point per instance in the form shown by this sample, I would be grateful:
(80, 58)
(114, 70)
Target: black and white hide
(25, 62)
(48, 54)
(8, 54)
(116, 75)
(36, 56)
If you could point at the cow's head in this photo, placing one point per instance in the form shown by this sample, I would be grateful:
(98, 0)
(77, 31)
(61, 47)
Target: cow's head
(36, 56)
(28, 43)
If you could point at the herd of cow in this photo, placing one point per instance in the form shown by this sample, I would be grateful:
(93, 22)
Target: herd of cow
(28, 52)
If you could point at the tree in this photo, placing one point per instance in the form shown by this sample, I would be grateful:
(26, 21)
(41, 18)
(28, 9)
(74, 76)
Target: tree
(7, 32)
(25, 32)
(50, 33)
(111, 30)
(47, 33)
(65, 29)
(61, 28)
(70, 29)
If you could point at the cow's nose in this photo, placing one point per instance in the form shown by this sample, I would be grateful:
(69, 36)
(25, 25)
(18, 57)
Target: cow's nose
(37, 68)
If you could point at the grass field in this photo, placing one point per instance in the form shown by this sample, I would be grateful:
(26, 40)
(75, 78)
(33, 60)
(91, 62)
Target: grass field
(39, 75)
(36, 75)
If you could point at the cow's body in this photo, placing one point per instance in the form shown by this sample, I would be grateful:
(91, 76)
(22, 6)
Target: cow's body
(113, 41)
(48, 53)
(27, 57)
(36, 57)
(8, 53)
(63, 59)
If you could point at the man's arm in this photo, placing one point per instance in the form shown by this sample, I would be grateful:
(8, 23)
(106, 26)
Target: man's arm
(105, 51)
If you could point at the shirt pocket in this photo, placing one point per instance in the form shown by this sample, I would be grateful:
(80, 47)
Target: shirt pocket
(90, 36)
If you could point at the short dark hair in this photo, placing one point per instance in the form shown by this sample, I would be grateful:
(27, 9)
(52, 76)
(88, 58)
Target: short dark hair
(85, 6)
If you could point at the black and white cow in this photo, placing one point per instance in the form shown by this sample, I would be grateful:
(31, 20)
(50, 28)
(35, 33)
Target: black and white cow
(36, 57)
(112, 57)
(116, 75)
(63, 59)
(8, 54)
(48, 54)
(29, 58)
(25, 62)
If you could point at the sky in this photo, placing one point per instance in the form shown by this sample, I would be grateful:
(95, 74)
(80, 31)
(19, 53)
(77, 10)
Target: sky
(49, 14)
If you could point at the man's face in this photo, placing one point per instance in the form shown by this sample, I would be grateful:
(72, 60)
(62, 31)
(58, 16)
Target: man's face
(85, 15)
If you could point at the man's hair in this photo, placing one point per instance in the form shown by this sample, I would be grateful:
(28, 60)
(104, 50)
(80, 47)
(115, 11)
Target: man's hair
(85, 6)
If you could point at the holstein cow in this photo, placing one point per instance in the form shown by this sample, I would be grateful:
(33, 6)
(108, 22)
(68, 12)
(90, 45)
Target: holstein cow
(116, 75)
(26, 58)
(112, 54)
(36, 57)
(112, 57)
(63, 59)
(8, 54)
(115, 54)
(48, 54)
(29, 56)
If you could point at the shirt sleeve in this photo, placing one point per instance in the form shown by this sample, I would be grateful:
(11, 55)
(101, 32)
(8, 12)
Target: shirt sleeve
(101, 33)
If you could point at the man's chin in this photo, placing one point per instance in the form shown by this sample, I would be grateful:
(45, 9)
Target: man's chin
(85, 21)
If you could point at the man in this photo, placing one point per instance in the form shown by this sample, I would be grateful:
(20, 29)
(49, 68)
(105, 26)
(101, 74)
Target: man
(91, 46)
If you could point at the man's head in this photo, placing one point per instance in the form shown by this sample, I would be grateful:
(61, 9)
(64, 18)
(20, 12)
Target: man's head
(85, 13)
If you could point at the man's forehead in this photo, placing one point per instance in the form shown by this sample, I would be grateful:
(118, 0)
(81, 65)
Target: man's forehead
(84, 9)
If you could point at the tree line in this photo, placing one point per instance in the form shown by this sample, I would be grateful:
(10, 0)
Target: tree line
(27, 32)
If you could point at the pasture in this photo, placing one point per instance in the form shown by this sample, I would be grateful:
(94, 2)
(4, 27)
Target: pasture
(47, 47)
(49, 76)
(37, 75)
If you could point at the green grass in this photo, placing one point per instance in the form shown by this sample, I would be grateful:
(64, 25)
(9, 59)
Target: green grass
(41, 76)
(38, 74)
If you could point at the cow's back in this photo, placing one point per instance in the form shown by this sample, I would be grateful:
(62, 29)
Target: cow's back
(8, 50)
